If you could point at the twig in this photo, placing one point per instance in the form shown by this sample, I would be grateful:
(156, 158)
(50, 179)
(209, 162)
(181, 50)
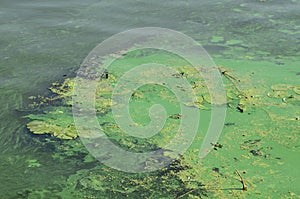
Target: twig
(186, 193)
(242, 180)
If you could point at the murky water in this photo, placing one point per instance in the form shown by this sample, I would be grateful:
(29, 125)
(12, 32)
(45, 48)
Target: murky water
(44, 41)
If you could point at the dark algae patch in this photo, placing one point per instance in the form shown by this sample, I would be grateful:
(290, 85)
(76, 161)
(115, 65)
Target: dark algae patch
(256, 156)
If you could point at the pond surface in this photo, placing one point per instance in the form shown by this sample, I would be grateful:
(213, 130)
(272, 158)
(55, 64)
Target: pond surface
(259, 41)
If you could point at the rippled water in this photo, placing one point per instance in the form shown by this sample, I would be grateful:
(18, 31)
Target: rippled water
(43, 41)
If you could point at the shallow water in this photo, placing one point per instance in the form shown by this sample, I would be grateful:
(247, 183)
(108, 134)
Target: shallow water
(42, 42)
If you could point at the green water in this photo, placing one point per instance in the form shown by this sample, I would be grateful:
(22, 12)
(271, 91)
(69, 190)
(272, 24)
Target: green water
(44, 42)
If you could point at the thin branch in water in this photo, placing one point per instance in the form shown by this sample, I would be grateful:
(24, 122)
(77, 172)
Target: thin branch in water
(186, 193)
(242, 180)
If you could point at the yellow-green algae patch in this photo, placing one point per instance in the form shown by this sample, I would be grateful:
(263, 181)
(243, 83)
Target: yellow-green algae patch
(260, 136)
(58, 123)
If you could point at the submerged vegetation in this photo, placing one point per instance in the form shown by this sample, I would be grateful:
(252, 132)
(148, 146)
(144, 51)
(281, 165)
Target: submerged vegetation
(186, 177)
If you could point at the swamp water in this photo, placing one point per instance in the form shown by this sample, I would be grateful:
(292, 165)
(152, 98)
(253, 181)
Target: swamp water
(256, 46)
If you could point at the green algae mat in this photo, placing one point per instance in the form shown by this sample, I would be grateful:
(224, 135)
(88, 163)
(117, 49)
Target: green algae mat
(257, 155)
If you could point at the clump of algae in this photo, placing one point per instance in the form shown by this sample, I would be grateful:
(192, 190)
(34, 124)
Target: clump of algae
(57, 123)
(182, 178)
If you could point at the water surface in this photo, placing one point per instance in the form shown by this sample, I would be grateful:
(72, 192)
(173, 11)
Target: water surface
(44, 41)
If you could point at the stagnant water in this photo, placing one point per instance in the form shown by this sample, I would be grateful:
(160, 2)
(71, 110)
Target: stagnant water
(44, 41)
